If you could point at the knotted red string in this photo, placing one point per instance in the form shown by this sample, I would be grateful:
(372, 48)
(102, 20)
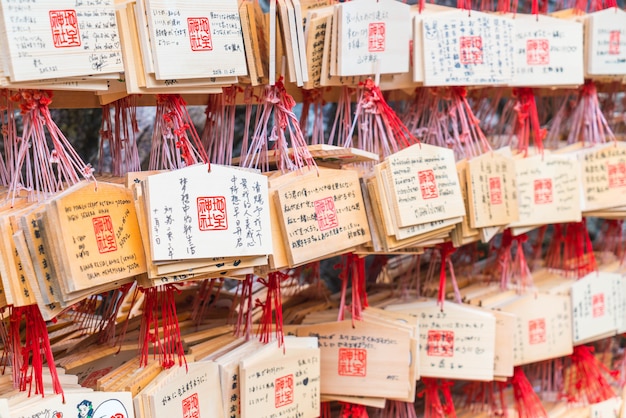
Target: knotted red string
(118, 137)
(28, 359)
(243, 327)
(219, 128)
(527, 403)
(585, 381)
(171, 146)
(159, 327)
(272, 308)
(325, 411)
(587, 123)
(435, 408)
(340, 134)
(353, 271)
(486, 397)
(350, 410)
(313, 100)
(527, 123)
(205, 298)
(446, 250)
(279, 104)
(378, 127)
(571, 250)
(35, 167)
(398, 409)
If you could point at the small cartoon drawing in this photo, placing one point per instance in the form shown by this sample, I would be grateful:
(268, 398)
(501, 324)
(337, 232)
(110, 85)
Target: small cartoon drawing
(85, 409)
(111, 408)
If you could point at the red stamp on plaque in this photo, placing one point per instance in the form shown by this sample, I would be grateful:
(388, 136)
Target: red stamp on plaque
(64, 25)
(199, 34)
(105, 237)
(537, 331)
(537, 52)
(212, 213)
(495, 190)
(376, 37)
(191, 407)
(616, 174)
(471, 50)
(440, 343)
(352, 362)
(614, 37)
(543, 191)
(597, 305)
(428, 185)
(283, 391)
(326, 214)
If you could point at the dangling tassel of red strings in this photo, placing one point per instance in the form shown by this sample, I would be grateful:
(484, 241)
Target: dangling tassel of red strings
(277, 109)
(243, 327)
(514, 271)
(378, 127)
(272, 309)
(206, 297)
(486, 397)
(579, 254)
(350, 410)
(325, 411)
(585, 380)
(313, 100)
(162, 332)
(118, 137)
(340, 132)
(219, 127)
(171, 147)
(398, 409)
(9, 137)
(353, 271)
(445, 251)
(35, 167)
(98, 313)
(527, 403)
(435, 408)
(527, 121)
(571, 250)
(28, 359)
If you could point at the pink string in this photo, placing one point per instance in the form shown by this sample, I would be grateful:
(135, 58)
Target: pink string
(278, 108)
(171, 147)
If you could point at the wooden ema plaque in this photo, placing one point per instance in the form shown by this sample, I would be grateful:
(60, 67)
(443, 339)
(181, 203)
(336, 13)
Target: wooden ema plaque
(418, 37)
(98, 229)
(372, 37)
(603, 169)
(100, 404)
(462, 48)
(424, 185)
(543, 328)
(491, 190)
(322, 213)
(457, 342)
(364, 359)
(181, 392)
(547, 51)
(594, 310)
(548, 190)
(206, 37)
(605, 42)
(223, 212)
(285, 383)
(42, 40)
